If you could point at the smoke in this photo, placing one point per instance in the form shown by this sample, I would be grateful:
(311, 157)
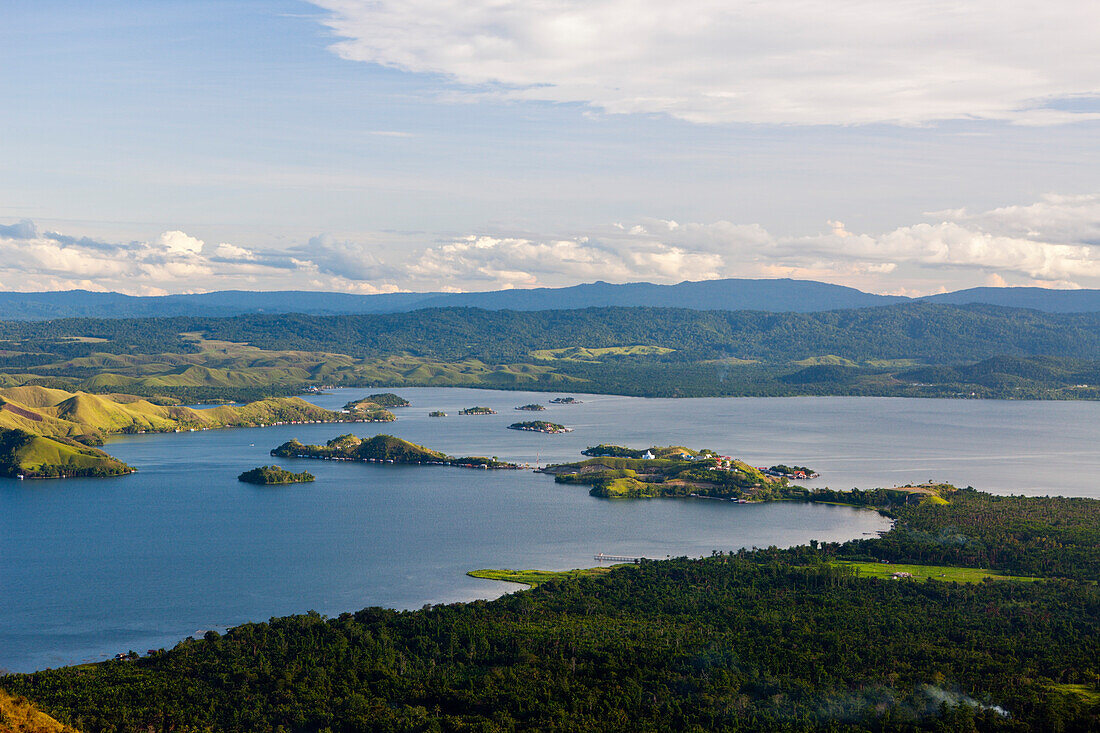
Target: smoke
(941, 696)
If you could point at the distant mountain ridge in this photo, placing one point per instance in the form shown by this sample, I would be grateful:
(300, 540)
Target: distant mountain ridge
(771, 295)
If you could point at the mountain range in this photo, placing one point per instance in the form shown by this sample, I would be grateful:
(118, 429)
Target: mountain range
(774, 295)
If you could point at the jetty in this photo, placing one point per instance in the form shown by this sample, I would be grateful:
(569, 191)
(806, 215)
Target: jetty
(600, 557)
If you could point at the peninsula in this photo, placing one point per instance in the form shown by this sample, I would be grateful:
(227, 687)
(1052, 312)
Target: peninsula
(273, 475)
(382, 449)
(675, 471)
(25, 455)
(52, 433)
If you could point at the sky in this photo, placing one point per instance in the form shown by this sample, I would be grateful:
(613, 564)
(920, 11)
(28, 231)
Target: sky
(369, 146)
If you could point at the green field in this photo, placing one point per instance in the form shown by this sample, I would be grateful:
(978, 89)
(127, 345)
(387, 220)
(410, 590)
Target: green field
(537, 577)
(929, 572)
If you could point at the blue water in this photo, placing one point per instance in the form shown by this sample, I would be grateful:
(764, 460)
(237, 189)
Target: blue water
(92, 567)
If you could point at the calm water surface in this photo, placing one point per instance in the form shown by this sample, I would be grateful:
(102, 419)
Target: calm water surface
(91, 567)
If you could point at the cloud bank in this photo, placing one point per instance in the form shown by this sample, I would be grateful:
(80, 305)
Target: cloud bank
(801, 62)
(1054, 242)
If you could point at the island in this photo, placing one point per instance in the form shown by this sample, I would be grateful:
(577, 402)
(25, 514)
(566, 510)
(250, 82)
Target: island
(478, 411)
(533, 407)
(272, 475)
(565, 401)
(368, 409)
(437, 413)
(383, 449)
(387, 399)
(540, 426)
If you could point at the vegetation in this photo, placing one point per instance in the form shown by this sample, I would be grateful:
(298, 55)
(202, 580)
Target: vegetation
(91, 417)
(771, 639)
(533, 578)
(912, 349)
(19, 715)
(437, 413)
(382, 449)
(533, 407)
(34, 456)
(385, 448)
(477, 411)
(388, 399)
(268, 475)
(540, 426)
(370, 410)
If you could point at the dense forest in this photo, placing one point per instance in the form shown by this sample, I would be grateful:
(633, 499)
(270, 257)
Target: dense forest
(938, 333)
(748, 640)
(914, 350)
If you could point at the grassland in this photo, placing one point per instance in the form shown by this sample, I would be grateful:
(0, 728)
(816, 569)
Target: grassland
(36, 456)
(944, 573)
(533, 578)
(595, 355)
(19, 715)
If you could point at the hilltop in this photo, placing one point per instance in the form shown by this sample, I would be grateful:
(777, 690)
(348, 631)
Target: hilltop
(34, 456)
(773, 295)
(381, 449)
(91, 417)
(352, 447)
(990, 352)
(50, 431)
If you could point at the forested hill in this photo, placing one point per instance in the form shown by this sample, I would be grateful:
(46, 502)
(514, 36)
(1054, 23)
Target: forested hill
(772, 295)
(937, 334)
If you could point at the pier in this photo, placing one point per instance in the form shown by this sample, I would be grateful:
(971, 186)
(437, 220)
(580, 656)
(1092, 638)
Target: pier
(600, 557)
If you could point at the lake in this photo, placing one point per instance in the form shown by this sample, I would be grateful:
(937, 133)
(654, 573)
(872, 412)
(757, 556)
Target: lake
(92, 567)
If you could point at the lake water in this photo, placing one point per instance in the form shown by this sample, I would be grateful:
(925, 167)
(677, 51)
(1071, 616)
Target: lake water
(92, 567)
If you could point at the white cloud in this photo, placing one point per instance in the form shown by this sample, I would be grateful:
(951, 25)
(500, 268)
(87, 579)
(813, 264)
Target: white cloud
(798, 62)
(1051, 243)
(177, 242)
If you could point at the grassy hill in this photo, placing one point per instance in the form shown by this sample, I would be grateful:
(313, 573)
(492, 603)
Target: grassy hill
(49, 430)
(351, 447)
(35, 456)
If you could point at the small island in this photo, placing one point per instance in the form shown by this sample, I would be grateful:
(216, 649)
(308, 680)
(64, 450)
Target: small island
(273, 475)
(368, 409)
(540, 426)
(387, 399)
(437, 413)
(533, 407)
(478, 411)
(383, 449)
(565, 401)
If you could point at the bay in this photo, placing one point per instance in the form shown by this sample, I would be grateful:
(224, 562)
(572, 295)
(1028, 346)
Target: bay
(91, 567)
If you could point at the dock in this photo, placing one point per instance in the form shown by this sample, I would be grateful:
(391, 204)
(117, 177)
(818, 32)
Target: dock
(600, 557)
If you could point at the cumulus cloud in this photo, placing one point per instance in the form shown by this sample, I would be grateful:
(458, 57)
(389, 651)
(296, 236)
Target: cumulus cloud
(800, 62)
(509, 262)
(1051, 242)
(177, 242)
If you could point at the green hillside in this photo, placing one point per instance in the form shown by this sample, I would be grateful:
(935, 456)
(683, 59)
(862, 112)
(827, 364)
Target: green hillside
(35, 456)
(351, 447)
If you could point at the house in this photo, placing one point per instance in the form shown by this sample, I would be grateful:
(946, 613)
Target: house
(648, 455)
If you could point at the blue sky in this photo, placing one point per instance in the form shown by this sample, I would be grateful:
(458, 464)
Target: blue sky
(370, 146)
